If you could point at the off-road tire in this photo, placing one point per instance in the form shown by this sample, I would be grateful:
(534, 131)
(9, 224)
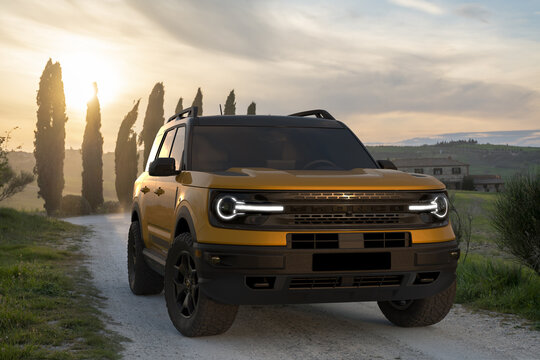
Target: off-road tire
(421, 312)
(209, 317)
(142, 279)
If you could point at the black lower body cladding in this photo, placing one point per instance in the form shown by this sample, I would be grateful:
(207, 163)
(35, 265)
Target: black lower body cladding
(281, 275)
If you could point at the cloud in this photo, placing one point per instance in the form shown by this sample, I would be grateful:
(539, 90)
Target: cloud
(420, 5)
(474, 11)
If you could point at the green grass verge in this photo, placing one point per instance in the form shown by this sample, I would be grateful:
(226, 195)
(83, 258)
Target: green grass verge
(48, 307)
(498, 285)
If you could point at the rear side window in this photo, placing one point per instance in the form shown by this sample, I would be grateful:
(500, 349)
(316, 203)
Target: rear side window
(178, 147)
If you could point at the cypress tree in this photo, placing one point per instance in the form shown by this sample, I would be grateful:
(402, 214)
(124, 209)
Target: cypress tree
(198, 101)
(92, 155)
(251, 108)
(179, 106)
(49, 136)
(126, 157)
(153, 119)
(230, 104)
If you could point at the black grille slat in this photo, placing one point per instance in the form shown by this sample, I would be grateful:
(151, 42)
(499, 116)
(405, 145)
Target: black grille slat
(308, 283)
(368, 240)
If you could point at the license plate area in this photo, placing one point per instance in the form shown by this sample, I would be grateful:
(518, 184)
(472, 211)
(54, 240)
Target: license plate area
(352, 261)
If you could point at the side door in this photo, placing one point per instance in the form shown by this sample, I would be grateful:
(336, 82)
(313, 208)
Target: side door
(159, 198)
(165, 211)
(145, 194)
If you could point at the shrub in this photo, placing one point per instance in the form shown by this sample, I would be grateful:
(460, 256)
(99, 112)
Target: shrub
(516, 218)
(110, 207)
(74, 205)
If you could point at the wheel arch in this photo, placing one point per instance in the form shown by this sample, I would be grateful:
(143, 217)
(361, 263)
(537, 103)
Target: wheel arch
(184, 223)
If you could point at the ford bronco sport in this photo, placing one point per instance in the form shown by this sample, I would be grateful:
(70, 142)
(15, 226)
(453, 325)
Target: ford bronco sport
(238, 210)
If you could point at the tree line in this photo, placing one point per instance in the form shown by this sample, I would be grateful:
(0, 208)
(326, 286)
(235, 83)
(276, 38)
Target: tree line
(49, 140)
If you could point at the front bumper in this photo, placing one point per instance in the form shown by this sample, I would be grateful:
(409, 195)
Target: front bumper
(281, 275)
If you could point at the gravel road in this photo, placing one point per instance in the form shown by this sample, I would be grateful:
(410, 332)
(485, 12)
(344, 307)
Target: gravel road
(321, 331)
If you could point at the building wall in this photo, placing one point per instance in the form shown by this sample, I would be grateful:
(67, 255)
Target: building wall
(452, 181)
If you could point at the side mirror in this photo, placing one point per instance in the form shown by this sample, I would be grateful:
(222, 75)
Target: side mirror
(163, 167)
(386, 164)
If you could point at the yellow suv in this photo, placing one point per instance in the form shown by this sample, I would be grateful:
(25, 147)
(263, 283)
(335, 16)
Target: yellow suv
(238, 210)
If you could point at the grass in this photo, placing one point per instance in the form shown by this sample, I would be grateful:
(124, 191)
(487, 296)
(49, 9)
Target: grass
(48, 307)
(498, 285)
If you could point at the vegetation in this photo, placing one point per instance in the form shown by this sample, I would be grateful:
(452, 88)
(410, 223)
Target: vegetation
(10, 182)
(198, 101)
(498, 285)
(230, 104)
(516, 218)
(251, 110)
(74, 205)
(92, 155)
(48, 306)
(153, 119)
(179, 106)
(50, 134)
(126, 158)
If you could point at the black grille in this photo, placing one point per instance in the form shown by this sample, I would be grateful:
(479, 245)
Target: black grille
(332, 219)
(305, 283)
(349, 240)
(353, 195)
(314, 241)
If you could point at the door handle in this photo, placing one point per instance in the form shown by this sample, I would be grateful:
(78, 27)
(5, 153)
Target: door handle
(145, 189)
(159, 191)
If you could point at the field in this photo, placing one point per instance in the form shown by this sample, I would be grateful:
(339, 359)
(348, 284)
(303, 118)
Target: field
(48, 305)
(489, 278)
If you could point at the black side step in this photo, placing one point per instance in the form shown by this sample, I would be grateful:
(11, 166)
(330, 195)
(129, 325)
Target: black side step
(155, 260)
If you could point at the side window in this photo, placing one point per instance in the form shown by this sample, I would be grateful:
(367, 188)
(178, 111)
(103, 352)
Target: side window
(167, 144)
(178, 147)
(154, 150)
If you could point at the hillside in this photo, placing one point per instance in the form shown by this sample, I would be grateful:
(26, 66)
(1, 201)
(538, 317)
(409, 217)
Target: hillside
(483, 158)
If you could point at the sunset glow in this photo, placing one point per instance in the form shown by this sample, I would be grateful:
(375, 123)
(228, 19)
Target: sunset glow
(80, 71)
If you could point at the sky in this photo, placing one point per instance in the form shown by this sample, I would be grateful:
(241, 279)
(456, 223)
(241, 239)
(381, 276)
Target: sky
(391, 70)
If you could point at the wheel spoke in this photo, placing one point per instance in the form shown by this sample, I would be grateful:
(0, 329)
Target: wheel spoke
(190, 304)
(179, 288)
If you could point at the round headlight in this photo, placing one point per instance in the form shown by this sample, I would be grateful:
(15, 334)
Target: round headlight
(226, 207)
(442, 206)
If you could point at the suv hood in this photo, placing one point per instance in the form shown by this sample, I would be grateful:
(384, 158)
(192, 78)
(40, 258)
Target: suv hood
(271, 179)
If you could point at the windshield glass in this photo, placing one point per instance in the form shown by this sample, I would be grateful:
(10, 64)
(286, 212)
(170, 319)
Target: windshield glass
(218, 148)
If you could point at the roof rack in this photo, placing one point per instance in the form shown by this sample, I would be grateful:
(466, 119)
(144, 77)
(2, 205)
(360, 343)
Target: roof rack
(189, 112)
(319, 113)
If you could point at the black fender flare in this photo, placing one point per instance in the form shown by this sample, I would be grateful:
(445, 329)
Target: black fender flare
(185, 214)
(135, 209)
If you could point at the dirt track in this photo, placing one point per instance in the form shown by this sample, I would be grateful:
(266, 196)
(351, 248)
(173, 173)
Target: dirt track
(323, 331)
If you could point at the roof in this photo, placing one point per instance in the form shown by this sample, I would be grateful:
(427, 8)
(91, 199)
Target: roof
(265, 120)
(486, 179)
(427, 162)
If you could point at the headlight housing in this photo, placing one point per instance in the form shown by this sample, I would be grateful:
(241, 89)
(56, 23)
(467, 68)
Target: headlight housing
(437, 205)
(227, 207)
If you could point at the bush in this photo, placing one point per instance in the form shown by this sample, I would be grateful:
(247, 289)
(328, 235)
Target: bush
(74, 205)
(11, 183)
(109, 207)
(516, 218)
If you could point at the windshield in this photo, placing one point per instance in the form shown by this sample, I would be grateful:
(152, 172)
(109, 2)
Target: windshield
(218, 148)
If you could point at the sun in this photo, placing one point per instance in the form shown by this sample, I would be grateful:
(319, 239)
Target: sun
(80, 71)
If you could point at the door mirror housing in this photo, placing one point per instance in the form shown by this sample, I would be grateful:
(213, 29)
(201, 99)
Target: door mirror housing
(163, 167)
(386, 164)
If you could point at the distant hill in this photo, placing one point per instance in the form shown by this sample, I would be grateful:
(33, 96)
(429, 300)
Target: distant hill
(516, 138)
(483, 159)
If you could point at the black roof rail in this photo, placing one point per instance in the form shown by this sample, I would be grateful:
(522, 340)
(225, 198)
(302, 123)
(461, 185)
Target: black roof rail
(191, 112)
(321, 114)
